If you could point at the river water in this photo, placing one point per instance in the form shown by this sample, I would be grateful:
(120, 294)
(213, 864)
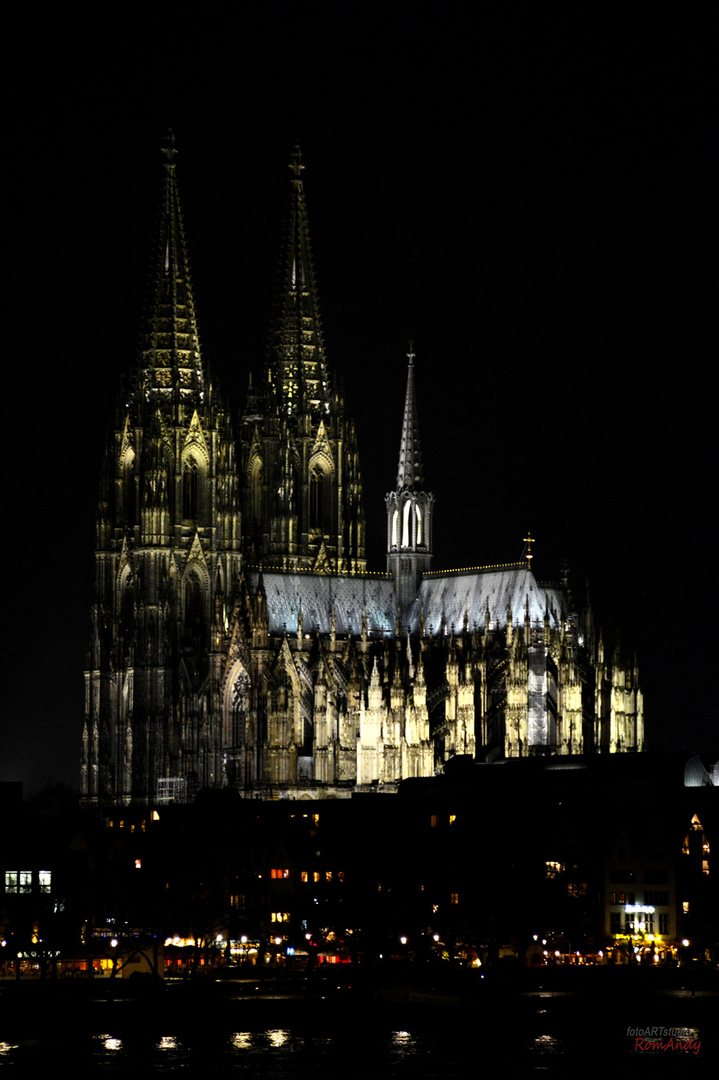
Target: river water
(518, 1035)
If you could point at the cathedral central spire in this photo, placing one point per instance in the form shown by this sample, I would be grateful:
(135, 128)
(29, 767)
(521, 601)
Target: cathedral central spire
(297, 365)
(409, 473)
(171, 366)
(409, 507)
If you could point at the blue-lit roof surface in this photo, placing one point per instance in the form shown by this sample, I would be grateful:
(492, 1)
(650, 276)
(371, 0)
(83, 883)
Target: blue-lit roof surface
(449, 596)
(444, 600)
(350, 595)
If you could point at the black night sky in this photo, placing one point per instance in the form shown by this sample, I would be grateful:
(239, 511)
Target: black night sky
(529, 193)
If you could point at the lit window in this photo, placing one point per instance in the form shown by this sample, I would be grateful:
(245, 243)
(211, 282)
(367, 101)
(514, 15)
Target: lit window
(705, 866)
(621, 898)
(281, 874)
(11, 880)
(552, 869)
(405, 524)
(138, 864)
(328, 875)
(577, 889)
(433, 821)
(25, 881)
(685, 907)
(452, 818)
(305, 875)
(44, 877)
(316, 875)
(340, 875)
(280, 916)
(454, 898)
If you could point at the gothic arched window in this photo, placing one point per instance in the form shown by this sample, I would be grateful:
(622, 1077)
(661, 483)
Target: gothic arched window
(255, 479)
(317, 499)
(239, 706)
(190, 490)
(405, 524)
(194, 612)
(128, 489)
(127, 606)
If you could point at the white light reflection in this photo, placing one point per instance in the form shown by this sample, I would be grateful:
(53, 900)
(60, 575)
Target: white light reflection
(278, 1038)
(547, 1044)
(168, 1042)
(5, 1048)
(109, 1042)
(242, 1040)
(402, 1038)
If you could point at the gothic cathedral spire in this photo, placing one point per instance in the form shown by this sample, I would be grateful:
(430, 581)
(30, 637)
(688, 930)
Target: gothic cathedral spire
(303, 489)
(409, 473)
(171, 366)
(409, 507)
(167, 558)
(296, 364)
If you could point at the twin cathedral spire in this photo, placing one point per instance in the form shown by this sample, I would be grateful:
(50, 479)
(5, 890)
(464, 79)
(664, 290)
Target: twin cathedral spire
(236, 639)
(185, 511)
(303, 506)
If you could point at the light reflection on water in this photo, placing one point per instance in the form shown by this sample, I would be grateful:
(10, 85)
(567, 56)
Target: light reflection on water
(108, 1042)
(548, 1044)
(283, 1053)
(278, 1038)
(530, 1047)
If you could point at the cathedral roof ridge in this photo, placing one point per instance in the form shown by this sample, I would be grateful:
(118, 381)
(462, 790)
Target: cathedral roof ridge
(343, 575)
(171, 369)
(522, 565)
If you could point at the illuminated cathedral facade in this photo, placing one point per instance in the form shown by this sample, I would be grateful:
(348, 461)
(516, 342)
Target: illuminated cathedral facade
(237, 639)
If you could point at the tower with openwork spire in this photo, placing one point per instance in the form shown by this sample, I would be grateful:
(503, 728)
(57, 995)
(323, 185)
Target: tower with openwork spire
(303, 490)
(167, 556)
(409, 507)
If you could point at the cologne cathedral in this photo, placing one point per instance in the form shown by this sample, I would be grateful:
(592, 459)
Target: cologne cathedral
(238, 640)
